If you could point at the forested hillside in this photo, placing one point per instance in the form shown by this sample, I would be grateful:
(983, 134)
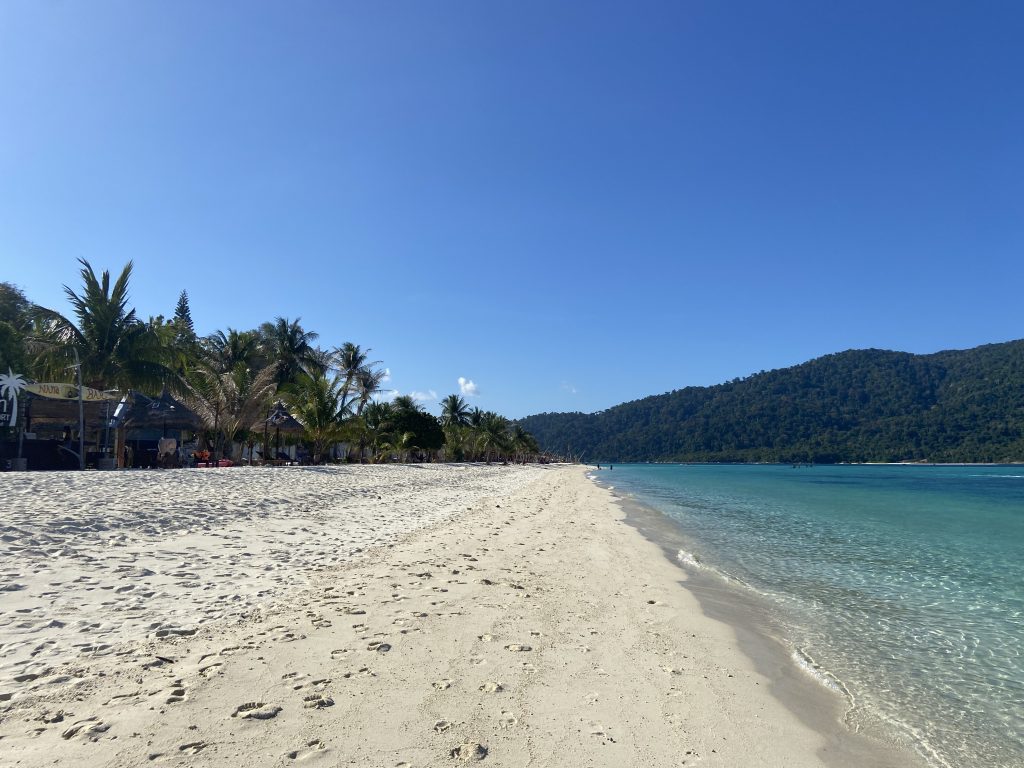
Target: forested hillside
(860, 405)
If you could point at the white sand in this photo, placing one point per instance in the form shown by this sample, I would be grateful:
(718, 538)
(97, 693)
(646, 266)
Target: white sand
(378, 616)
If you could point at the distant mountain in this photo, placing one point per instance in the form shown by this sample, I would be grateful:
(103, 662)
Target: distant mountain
(860, 405)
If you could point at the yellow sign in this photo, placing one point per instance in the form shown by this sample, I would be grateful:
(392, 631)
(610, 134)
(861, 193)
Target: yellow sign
(60, 391)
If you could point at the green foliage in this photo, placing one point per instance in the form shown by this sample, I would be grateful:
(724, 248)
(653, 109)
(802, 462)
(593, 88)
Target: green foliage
(860, 405)
(424, 428)
(116, 349)
(316, 402)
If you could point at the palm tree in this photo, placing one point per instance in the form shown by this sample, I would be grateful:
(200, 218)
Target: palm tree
(115, 348)
(291, 348)
(492, 434)
(454, 420)
(454, 411)
(523, 443)
(376, 423)
(229, 401)
(406, 403)
(233, 347)
(368, 382)
(401, 443)
(350, 359)
(316, 402)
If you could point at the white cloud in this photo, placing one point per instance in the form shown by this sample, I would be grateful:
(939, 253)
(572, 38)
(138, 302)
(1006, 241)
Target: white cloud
(422, 397)
(468, 387)
(387, 376)
(568, 387)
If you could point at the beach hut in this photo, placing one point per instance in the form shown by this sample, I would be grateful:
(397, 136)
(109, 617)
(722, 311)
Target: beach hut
(278, 422)
(146, 424)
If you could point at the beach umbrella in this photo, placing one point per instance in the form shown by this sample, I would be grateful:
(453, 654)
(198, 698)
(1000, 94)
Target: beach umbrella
(279, 420)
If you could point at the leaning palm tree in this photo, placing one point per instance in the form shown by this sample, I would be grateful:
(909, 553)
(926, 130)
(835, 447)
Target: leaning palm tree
(115, 348)
(368, 382)
(350, 360)
(291, 348)
(316, 403)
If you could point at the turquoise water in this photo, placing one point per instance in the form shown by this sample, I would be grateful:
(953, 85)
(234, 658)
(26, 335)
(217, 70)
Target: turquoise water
(900, 587)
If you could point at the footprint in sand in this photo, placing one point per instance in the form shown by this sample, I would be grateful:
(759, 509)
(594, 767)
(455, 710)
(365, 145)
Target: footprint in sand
(485, 638)
(442, 725)
(317, 701)
(443, 685)
(256, 710)
(312, 749)
(210, 669)
(91, 728)
(177, 692)
(492, 686)
(193, 748)
(508, 720)
(518, 648)
(471, 750)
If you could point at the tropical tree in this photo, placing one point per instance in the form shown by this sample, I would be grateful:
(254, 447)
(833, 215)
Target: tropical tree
(454, 421)
(375, 422)
(316, 402)
(229, 349)
(522, 442)
(115, 348)
(368, 381)
(291, 347)
(351, 360)
(492, 435)
(15, 326)
(229, 401)
(454, 411)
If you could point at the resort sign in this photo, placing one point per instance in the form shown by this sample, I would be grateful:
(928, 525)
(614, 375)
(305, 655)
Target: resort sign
(60, 391)
(10, 385)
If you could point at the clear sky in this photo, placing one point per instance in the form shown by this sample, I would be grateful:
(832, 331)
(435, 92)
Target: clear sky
(569, 204)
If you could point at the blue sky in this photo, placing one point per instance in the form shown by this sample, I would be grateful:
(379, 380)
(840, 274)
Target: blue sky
(570, 204)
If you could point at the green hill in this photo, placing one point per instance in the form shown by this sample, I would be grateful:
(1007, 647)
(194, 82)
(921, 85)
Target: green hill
(860, 405)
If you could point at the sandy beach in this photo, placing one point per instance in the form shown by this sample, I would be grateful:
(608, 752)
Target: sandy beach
(371, 616)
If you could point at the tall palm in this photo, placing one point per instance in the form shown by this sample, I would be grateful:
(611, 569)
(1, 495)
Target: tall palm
(291, 347)
(350, 359)
(454, 411)
(316, 402)
(368, 382)
(115, 348)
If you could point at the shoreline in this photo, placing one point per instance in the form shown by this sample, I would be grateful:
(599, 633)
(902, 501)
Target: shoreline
(520, 616)
(762, 639)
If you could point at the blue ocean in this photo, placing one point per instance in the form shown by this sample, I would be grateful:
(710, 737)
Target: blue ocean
(901, 587)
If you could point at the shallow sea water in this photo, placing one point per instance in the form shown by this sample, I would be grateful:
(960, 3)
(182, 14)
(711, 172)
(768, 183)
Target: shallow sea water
(902, 587)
